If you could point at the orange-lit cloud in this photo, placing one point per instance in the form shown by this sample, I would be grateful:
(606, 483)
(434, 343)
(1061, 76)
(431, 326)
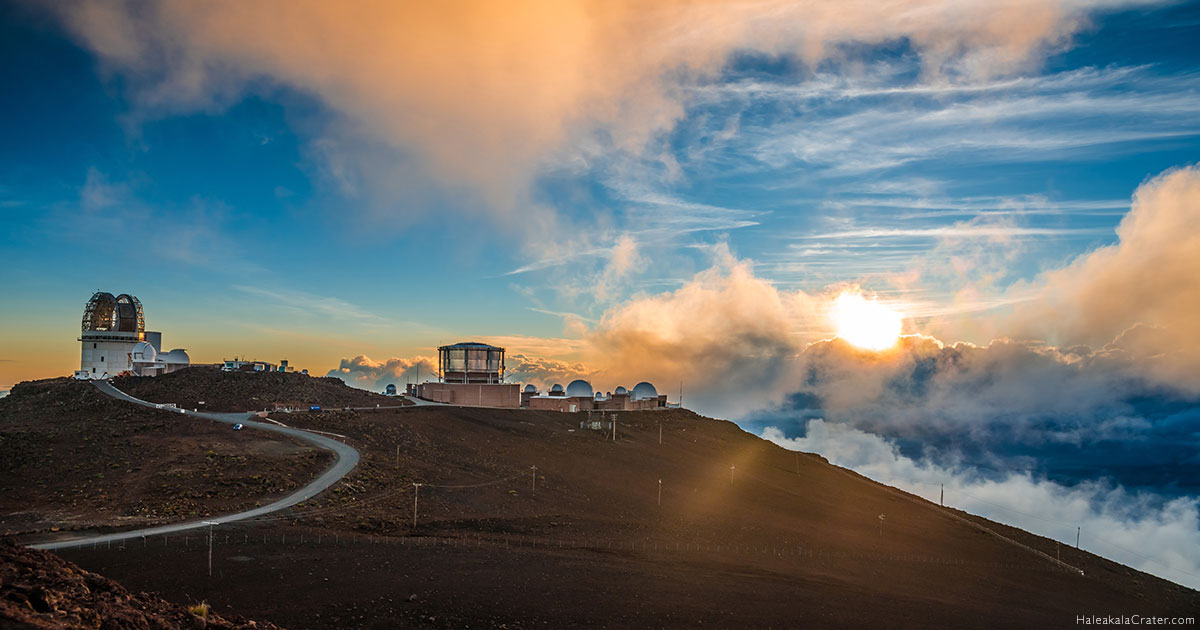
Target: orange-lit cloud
(480, 95)
(1141, 295)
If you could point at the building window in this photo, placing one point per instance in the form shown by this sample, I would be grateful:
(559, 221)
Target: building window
(102, 359)
(93, 370)
(93, 345)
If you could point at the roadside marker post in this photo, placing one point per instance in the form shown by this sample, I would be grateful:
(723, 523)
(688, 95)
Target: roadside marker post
(210, 544)
(416, 489)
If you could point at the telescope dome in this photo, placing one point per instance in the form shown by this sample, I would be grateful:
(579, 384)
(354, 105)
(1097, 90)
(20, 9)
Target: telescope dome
(580, 388)
(644, 391)
(143, 353)
(178, 355)
(105, 313)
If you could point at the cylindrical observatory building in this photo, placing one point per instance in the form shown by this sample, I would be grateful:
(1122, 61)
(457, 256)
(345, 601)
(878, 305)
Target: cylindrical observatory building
(471, 362)
(472, 374)
(115, 341)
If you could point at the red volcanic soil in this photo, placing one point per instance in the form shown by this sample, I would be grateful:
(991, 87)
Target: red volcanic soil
(249, 391)
(39, 590)
(74, 458)
(790, 541)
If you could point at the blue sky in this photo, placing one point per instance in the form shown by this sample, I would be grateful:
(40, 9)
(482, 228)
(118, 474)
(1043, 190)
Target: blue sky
(672, 192)
(224, 215)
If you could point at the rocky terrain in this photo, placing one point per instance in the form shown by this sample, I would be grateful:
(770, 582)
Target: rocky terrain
(73, 458)
(39, 590)
(747, 534)
(704, 526)
(211, 389)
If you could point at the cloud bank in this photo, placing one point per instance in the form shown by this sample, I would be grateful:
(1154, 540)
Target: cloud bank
(364, 372)
(1141, 295)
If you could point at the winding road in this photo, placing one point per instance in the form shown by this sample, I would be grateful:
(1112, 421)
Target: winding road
(347, 459)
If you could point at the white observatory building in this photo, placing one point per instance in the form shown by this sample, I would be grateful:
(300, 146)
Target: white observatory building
(115, 340)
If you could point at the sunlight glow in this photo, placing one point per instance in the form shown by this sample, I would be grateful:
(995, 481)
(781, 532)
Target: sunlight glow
(865, 323)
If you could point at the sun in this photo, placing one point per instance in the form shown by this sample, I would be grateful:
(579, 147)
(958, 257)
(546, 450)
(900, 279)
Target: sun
(865, 323)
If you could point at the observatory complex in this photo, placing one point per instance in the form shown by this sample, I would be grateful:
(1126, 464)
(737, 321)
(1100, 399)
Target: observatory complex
(115, 341)
(472, 374)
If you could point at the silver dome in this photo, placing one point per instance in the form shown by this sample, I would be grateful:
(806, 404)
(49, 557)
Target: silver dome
(644, 391)
(580, 388)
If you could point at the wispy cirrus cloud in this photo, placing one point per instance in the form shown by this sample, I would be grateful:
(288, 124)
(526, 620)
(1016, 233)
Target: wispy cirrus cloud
(881, 119)
(955, 231)
(311, 305)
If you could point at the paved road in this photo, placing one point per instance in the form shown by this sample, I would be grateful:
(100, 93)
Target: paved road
(347, 459)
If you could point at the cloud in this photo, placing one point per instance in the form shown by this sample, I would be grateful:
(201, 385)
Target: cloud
(838, 123)
(1159, 536)
(720, 331)
(542, 372)
(308, 304)
(1141, 293)
(482, 95)
(623, 260)
(364, 372)
(953, 231)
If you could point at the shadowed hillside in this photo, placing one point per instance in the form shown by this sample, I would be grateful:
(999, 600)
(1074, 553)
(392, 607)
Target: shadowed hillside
(74, 458)
(248, 391)
(39, 590)
(779, 540)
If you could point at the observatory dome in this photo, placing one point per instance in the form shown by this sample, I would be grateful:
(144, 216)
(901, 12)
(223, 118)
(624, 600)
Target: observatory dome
(530, 389)
(620, 390)
(557, 389)
(143, 353)
(178, 355)
(580, 388)
(105, 313)
(644, 391)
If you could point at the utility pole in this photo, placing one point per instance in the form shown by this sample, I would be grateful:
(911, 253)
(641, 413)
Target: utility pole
(942, 497)
(1077, 530)
(681, 394)
(535, 479)
(416, 489)
(660, 493)
(660, 432)
(210, 544)
(731, 467)
(614, 427)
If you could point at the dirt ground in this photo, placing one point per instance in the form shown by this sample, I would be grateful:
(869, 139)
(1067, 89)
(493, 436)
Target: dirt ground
(73, 458)
(42, 591)
(788, 541)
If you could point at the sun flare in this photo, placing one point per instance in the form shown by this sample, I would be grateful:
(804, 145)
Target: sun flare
(865, 323)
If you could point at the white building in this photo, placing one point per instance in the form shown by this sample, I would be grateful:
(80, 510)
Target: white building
(114, 340)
